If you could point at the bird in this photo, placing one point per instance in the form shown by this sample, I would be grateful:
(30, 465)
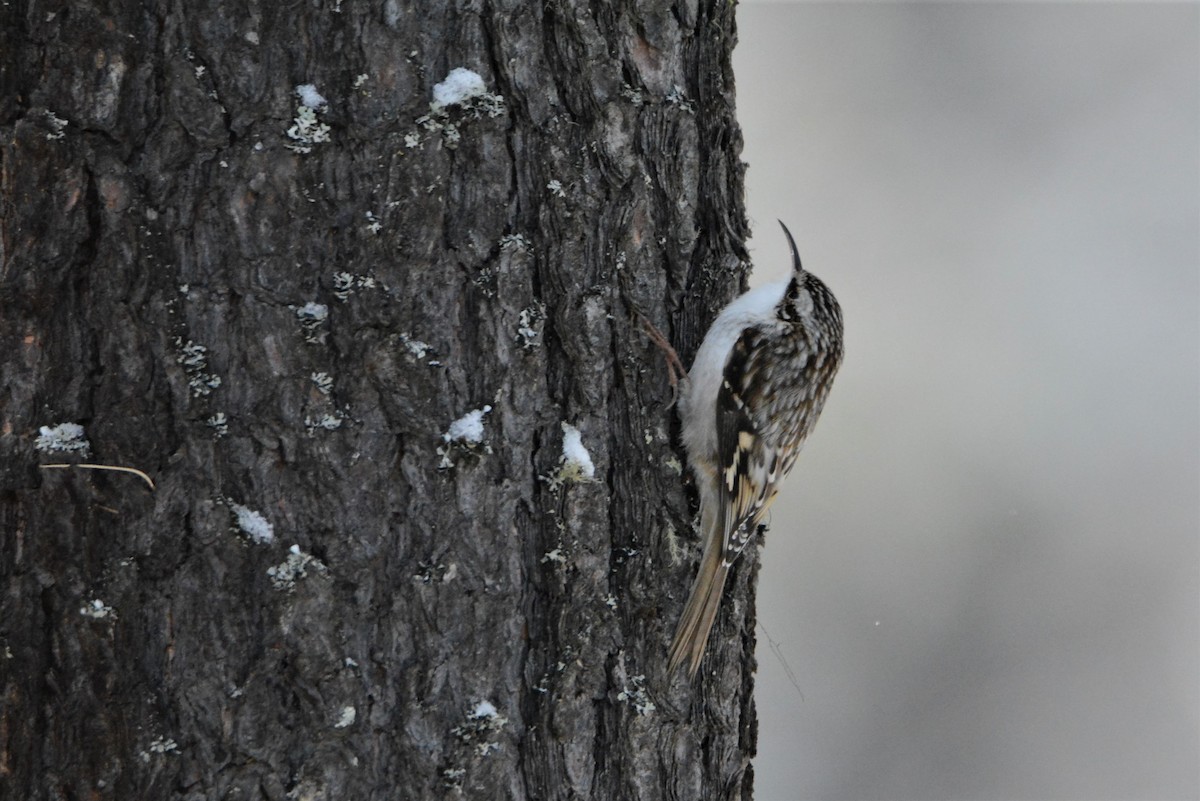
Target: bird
(757, 385)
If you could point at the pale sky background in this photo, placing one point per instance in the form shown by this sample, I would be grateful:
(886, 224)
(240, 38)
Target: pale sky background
(984, 572)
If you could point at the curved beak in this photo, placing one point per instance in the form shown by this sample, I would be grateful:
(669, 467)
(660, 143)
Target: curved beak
(799, 268)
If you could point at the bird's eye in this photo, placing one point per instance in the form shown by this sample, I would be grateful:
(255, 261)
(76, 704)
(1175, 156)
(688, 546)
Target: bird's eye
(793, 292)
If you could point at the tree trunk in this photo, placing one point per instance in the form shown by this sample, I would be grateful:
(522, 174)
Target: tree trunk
(343, 331)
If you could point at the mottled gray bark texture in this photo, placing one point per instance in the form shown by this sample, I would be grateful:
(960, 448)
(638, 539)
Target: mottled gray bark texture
(280, 312)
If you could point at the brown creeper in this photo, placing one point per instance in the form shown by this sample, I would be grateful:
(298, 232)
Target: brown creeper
(752, 397)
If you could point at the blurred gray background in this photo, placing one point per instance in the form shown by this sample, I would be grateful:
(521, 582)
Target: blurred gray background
(983, 572)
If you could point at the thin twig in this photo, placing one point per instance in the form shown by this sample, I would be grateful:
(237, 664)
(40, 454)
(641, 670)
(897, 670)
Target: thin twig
(118, 469)
(675, 369)
(773, 644)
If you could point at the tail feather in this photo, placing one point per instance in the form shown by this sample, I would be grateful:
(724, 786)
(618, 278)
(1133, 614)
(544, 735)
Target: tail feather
(701, 609)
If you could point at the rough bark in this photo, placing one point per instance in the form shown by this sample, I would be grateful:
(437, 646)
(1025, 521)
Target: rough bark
(161, 230)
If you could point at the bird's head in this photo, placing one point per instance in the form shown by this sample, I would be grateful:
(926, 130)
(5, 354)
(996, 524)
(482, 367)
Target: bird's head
(806, 296)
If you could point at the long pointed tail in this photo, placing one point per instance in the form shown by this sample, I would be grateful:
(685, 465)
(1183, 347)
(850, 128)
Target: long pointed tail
(701, 609)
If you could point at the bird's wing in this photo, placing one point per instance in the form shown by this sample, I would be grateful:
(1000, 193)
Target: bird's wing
(754, 450)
